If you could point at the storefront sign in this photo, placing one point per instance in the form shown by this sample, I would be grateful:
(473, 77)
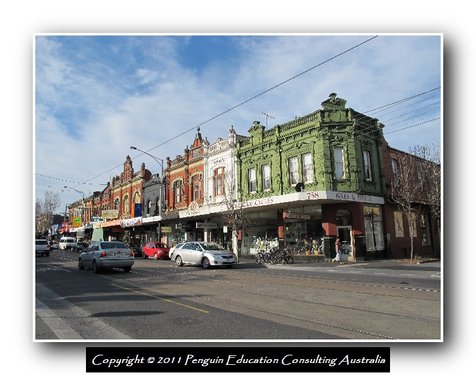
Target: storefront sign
(166, 229)
(110, 214)
(294, 215)
(77, 222)
(131, 222)
(354, 197)
(201, 225)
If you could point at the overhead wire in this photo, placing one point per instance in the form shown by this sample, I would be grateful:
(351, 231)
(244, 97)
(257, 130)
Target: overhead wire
(245, 101)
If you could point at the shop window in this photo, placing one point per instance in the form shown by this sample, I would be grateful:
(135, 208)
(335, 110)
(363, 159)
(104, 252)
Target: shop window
(425, 230)
(219, 181)
(307, 169)
(339, 163)
(367, 166)
(266, 176)
(373, 228)
(252, 180)
(293, 169)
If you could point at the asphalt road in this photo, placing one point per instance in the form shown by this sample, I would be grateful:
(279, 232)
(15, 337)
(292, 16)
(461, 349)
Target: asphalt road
(158, 301)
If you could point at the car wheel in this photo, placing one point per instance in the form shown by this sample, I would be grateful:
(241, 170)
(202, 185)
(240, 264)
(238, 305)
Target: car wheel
(178, 261)
(80, 265)
(156, 256)
(127, 269)
(95, 267)
(205, 263)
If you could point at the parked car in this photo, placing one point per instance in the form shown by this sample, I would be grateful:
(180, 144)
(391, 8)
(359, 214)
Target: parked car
(66, 242)
(155, 250)
(103, 255)
(172, 249)
(205, 254)
(42, 247)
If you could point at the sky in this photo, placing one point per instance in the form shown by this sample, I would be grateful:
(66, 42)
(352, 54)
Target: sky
(95, 95)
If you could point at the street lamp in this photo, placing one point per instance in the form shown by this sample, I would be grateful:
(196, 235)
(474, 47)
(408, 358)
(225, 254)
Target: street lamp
(83, 206)
(161, 163)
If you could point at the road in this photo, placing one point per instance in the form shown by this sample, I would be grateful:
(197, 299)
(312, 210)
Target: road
(158, 301)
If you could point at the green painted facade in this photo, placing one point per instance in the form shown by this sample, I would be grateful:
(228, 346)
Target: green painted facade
(318, 134)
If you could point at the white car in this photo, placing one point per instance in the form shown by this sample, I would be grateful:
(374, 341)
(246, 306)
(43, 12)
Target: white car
(66, 242)
(205, 254)
(106, 255)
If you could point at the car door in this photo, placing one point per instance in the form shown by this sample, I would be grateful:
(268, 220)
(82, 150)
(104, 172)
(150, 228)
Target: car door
(186, 252)
(87, 257)
(149, 249)
(196, 254)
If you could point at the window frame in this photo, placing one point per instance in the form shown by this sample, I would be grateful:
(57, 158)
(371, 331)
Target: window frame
(307, 169)
(293, 170)
(341, 162)
(252, 183)
(367, 159)
(266, 177)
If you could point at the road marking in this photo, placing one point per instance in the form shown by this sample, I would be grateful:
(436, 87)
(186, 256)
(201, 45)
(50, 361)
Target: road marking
(163, 299)
(60, 327)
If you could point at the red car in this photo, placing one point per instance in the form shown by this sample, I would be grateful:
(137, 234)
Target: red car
(155, 250)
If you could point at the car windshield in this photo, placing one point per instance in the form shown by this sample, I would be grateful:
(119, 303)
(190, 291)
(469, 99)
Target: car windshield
(212, 246)
(113, 245)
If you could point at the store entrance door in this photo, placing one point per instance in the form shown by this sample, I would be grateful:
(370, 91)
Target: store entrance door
(347, 240)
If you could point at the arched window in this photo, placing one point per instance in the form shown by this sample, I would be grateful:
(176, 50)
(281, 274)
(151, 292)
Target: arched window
(116, 203)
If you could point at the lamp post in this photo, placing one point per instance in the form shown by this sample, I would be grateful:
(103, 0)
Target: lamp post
(83, 208)
(161, 163)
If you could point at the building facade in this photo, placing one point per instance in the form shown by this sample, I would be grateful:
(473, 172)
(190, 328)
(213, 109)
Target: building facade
(300, 185)
(313, 179)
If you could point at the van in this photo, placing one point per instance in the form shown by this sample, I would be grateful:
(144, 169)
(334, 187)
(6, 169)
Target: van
(66, 242)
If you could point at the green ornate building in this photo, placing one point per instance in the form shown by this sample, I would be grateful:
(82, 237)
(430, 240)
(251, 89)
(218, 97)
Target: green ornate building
(313, 178)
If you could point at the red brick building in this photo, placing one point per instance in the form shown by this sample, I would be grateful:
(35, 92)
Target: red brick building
(407, 174)
(184, 176)
(126, 189)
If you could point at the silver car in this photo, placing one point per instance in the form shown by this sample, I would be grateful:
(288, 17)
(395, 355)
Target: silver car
(205, 254)
(42, 247)
(106, 255)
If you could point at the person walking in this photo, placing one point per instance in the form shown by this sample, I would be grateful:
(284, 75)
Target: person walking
(338, 250)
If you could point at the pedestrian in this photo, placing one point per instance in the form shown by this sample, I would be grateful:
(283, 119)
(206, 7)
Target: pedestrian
(338, 250)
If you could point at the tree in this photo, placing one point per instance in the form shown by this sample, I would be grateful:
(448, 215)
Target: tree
(416, 185)
(44, 211)
(234, 215)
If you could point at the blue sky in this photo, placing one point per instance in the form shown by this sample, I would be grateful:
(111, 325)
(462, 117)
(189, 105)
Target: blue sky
(95, 95)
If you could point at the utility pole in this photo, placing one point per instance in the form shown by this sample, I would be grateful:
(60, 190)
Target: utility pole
(161, 178)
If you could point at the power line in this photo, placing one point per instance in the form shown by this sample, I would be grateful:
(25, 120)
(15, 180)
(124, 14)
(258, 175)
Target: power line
(247, 101)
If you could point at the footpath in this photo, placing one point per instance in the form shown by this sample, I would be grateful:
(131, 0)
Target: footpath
(395, 264)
